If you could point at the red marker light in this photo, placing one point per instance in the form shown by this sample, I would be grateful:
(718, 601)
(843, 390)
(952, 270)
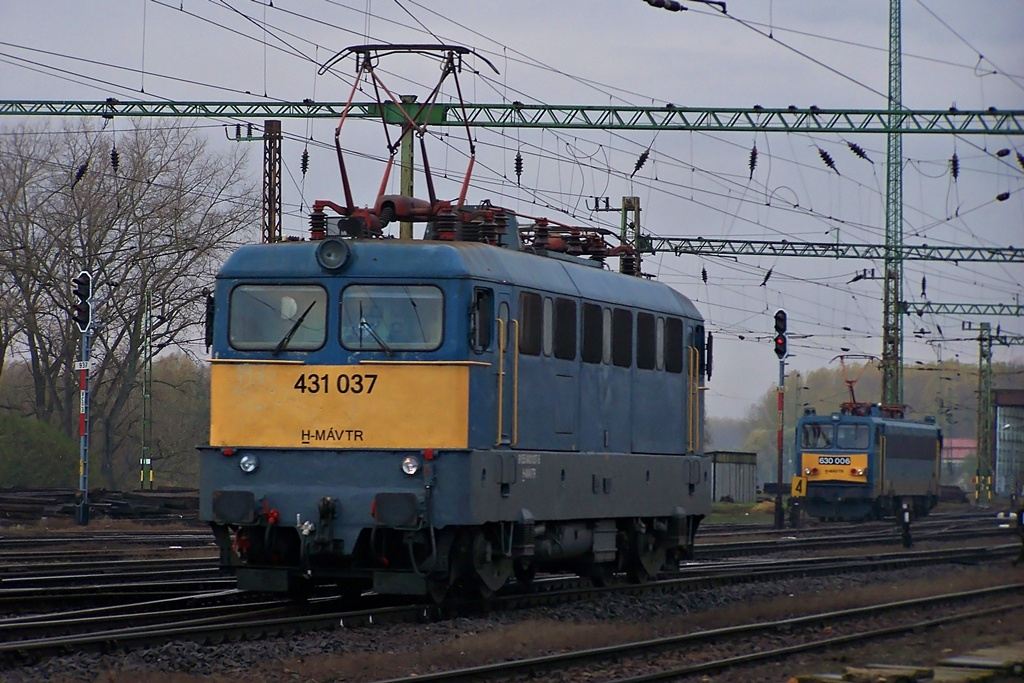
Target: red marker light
(227, 452)
(428, 453)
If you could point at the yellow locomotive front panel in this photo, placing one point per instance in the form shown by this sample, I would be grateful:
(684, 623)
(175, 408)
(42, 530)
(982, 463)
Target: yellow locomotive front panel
(283, 404)
(835, 467)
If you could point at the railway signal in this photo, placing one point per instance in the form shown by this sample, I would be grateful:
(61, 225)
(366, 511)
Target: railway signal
(779, 340)
(81, 310)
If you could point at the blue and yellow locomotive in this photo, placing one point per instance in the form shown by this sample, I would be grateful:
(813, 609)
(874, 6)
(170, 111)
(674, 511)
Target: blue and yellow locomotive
(865, 461)
(412, 415)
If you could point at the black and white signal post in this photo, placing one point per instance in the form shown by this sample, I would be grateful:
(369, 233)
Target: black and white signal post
(81, 314)
(781, 350)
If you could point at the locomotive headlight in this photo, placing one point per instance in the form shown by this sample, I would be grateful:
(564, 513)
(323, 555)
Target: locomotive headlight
(249, 463)
(332, 253)
(411, 465)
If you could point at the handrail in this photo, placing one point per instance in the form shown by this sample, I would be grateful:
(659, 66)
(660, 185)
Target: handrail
(501, 375)
(515, 385)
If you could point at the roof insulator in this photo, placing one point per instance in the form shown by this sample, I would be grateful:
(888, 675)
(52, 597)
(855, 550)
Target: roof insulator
(827, 158)
(641, 161)
(859, 151)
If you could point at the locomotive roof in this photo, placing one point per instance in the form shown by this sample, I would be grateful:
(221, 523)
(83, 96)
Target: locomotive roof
(418, 260)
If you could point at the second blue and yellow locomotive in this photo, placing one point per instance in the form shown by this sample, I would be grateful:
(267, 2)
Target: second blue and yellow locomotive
(866, 462)
(412, 415)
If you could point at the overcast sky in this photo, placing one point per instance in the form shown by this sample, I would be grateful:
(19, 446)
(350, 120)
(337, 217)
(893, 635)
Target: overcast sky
(774, 53)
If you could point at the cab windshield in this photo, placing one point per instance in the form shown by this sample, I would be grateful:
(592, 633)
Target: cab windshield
(392, 318)
(267, 318)
(853, 436)
(816, 435)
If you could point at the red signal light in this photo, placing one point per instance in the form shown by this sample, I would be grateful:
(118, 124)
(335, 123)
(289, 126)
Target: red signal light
(781, 349)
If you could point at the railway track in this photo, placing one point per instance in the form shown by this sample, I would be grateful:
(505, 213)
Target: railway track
(681, 656)
(212, 618)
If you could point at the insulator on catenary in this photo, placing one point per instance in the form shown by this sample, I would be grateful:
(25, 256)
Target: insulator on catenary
(704, 274)
(1003, 152)
(80, 173)
(924, 285)
(1002, 197)
(827, 158)
(670, 5)
(304, 163)
(954, 166)
(115, 159)
(640, 162)
(1020, 160)
(753, 161)
(859, 151)
(519, 167)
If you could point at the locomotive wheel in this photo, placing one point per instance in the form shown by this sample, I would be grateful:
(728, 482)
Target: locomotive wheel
(525, 571)
(437, 589)
(645, 558)
(601, 573)
(492, 570)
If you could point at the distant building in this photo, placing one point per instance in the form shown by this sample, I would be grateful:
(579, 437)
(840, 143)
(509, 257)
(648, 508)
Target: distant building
(734, 476)
(1009, 441)
(955, 452)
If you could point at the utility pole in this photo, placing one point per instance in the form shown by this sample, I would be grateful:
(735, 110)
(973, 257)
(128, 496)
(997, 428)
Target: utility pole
(81, 314)
(408, 159)
(781, 350)
(146, 458)
(892, 326)
(271, 181)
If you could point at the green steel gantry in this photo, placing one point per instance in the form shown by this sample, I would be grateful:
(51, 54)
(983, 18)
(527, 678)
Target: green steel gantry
(515, 115)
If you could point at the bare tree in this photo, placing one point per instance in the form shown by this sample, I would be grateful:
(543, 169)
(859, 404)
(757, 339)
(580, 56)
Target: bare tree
(156, 217)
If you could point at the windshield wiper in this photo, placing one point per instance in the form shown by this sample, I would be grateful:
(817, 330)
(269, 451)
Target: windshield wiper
(363, 325)
(295, 326)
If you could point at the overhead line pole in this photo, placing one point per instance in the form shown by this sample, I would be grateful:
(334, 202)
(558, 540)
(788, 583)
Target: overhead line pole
(892, 326)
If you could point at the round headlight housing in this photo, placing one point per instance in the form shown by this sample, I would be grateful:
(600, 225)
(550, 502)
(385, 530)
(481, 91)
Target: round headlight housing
(248, 463)
(411, 465)
(332, 253)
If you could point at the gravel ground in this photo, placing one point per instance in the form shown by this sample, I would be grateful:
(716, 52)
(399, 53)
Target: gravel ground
(372, 653)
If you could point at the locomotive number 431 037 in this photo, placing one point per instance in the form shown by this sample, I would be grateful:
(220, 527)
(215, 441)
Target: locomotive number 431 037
(356, 383)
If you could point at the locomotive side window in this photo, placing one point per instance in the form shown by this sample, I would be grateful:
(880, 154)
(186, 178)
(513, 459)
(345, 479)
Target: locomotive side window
(565, 329)
(277, 317)
(392, 318)
(482, 318)
(549, 326)
(593, 335)
(646, 341)
(674, 345)
(659, 351)
(531, 319)
(606, 336)
(622, 337)
(853, 436)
